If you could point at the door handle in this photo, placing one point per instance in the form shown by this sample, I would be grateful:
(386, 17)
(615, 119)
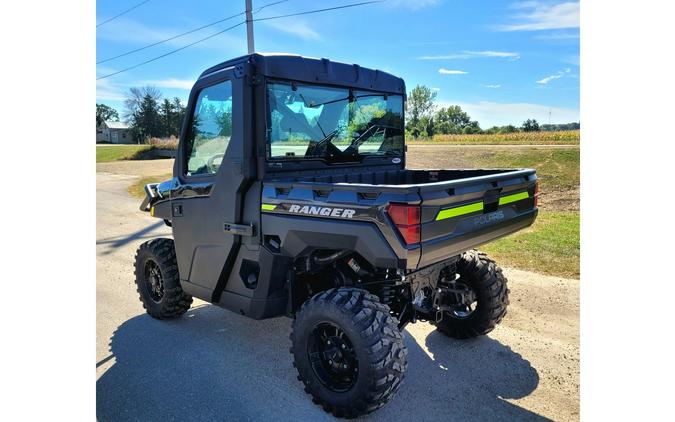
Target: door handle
(238, 229)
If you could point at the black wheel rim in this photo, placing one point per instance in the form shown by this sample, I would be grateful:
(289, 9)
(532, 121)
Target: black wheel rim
(154, 282)
(332, 357)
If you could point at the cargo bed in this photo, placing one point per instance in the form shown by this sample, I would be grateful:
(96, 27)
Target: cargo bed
(458, 209)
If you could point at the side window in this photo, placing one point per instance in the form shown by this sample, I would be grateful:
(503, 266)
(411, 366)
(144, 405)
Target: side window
(210, 130)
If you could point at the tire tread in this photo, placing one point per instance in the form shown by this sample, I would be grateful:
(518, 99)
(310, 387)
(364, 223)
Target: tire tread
(175, 301)
(491, 285)
(387, 354)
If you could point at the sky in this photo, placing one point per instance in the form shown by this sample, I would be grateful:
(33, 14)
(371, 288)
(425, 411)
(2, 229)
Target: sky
(502, 61)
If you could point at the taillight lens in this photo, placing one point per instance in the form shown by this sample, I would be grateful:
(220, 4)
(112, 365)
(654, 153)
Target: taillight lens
(536, 194)
(407, 220)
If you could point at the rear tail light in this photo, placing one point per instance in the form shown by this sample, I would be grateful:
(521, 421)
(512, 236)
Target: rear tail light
(536, 194)
(406, 218)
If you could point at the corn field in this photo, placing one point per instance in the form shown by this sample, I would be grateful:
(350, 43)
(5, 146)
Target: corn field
(566, 137)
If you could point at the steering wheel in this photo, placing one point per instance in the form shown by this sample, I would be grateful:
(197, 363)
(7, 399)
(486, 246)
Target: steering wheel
(210, 164)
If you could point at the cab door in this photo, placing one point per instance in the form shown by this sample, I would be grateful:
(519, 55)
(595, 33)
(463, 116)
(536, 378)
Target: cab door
(210, 172)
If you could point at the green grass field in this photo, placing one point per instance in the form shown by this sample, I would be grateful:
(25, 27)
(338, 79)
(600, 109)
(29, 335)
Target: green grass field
(551, 245)
(105, 153)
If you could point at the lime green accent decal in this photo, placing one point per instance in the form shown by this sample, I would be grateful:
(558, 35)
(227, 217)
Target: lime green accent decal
(513, 198)
(268, 207)
(457, 211)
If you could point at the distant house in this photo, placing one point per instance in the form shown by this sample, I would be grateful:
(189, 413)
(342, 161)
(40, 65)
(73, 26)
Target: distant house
(114, 133)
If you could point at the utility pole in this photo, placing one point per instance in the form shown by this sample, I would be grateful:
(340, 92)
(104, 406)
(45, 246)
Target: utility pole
(249, 27)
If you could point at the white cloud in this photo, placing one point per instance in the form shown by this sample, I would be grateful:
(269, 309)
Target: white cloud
(574, 60)
(473, 54)
(492, 86)
(558, 36)
(435, 89)
(127, 31)
(491, 114)
(170, 83)
(548, 79)
(107, 90)
(493, 54)
(541, 16)
(559, 74)
(295, 27)
(413, 4)
(444, 71)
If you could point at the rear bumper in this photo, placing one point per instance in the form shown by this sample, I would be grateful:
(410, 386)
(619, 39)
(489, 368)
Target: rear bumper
(456, 243)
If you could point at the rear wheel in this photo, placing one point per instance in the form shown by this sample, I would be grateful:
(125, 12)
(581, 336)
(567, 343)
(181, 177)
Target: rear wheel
(348, 351)
(157, 280)
(486, 286)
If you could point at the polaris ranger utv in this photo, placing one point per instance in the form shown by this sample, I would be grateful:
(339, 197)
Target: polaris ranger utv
(291, 197)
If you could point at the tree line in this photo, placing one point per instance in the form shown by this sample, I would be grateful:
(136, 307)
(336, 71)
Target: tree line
(424, 119)
(148, 114)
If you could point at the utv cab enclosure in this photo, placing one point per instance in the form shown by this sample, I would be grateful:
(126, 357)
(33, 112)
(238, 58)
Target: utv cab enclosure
(291, 196)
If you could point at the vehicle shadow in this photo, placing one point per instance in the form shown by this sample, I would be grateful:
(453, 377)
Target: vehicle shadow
(216, 365)
(116, 242)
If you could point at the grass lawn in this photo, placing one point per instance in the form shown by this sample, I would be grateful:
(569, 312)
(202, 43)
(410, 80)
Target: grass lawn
(137, 189)
(549, 246)
(105, 153)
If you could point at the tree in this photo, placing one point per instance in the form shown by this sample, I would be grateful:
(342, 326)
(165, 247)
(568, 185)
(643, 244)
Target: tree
(166, 114)
(472, 127)
(564, 126)
(142, 112)
(530, 125)
(453, 120)
(420, 105)
(105, 113)
(178, 116)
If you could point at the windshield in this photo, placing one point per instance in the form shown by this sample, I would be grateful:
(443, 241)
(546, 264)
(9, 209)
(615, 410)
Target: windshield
(336, 124)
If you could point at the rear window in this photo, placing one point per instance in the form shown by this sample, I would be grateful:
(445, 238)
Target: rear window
(313, 121)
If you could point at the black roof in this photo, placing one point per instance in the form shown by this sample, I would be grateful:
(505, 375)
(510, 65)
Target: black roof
(298, 68)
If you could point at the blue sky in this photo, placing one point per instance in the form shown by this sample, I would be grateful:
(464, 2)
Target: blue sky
(502, 61)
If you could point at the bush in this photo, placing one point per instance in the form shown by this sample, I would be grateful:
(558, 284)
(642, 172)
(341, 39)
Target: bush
(164, 143)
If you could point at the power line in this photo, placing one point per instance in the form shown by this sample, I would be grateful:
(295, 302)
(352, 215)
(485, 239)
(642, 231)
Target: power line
(120, 14)
(268, 5)
(186, 33)
(234, 26)
(169, 39)
(171, 52)
(319, 10)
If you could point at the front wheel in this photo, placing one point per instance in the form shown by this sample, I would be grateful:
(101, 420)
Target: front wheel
(157, 280)
(487, 285)
(348, 351)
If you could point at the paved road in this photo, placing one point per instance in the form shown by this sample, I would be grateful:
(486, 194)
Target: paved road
(216, 365)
